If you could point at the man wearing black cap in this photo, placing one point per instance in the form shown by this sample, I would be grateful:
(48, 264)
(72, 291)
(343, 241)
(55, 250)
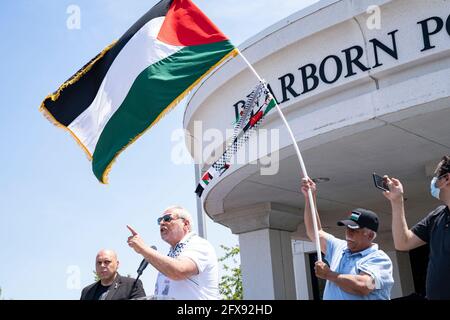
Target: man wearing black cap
(357, 269)
(433, 229)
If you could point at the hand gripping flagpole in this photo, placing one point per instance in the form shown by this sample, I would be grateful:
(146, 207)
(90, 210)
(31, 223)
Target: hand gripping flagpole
(300, 158)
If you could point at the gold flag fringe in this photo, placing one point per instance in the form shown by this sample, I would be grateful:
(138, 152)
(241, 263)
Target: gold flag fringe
(50, 118)
(75, 78)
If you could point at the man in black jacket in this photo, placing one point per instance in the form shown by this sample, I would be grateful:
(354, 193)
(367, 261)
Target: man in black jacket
(111, 286)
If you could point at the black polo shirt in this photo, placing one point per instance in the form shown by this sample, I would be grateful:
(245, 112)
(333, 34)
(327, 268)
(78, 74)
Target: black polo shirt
(435, 230)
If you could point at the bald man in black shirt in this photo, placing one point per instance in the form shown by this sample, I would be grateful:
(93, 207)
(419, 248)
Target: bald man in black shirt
(111, 286)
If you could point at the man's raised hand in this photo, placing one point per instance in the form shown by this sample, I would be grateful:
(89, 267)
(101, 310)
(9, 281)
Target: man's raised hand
(133, 232)
(135, 241)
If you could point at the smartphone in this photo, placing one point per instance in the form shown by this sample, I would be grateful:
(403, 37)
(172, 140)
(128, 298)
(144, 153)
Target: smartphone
(379, 182)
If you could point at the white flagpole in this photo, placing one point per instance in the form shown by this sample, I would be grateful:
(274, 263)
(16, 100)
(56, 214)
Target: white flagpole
(201, 221)
(300, 158)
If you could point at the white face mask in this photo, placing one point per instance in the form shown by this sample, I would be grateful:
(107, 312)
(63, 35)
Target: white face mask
(434, 190)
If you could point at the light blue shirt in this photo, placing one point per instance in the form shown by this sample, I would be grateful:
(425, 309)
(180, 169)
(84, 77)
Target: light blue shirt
(372, 261)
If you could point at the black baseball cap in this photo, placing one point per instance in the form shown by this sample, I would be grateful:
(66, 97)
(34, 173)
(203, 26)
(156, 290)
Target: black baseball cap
(361, 218)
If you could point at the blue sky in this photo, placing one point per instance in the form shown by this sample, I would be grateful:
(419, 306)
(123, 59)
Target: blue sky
(54, 215)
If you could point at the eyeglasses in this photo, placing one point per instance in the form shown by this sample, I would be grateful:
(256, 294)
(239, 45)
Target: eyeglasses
(166, 218)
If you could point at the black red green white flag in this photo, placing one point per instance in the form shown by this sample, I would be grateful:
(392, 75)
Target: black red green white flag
(134, 82)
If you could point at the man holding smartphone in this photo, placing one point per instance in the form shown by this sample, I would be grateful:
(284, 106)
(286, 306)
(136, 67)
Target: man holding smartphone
(434, 229)
(357, 269)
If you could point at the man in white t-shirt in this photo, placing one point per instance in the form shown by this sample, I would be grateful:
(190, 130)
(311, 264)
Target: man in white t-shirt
(190, 270)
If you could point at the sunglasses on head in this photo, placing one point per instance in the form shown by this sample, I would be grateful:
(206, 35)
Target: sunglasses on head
(166, 218)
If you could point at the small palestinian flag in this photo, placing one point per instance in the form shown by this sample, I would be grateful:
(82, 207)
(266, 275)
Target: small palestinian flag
(206, 179)
(134, 82)
(355, 216)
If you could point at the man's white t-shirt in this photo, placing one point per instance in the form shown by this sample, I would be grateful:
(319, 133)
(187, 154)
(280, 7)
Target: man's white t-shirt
(204, 285)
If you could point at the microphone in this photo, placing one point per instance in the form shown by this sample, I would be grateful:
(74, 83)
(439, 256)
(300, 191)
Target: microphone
(142, 266)
(144, 263)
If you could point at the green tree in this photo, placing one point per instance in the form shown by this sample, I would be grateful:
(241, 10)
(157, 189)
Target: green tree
(230, 285)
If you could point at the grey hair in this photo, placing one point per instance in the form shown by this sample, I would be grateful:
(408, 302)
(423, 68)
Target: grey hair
(181, 213)
(374, 233)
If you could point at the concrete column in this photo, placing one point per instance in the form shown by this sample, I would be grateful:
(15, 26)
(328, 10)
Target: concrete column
(266, 248)
(403, 279)
(303, 285)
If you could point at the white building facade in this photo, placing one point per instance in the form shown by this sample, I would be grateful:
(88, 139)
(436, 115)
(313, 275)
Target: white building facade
(365, 87)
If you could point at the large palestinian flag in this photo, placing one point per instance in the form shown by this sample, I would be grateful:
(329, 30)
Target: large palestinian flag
(134, 82)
